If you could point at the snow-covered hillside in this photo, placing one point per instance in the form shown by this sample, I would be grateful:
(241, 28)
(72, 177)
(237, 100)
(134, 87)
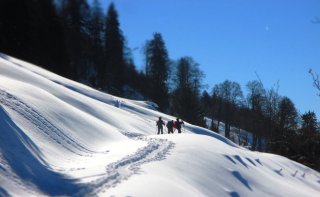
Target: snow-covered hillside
(61, 138)
(237, 135)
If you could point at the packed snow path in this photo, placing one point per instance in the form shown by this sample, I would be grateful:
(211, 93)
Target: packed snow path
(156, 150)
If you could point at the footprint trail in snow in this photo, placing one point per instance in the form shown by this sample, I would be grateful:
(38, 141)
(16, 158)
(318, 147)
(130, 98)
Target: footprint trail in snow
(119, 171)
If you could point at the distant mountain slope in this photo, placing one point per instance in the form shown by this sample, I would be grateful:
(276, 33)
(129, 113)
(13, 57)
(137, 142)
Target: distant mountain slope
(61, 138)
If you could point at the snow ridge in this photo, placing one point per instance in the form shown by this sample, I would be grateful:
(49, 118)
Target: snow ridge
(44, 125)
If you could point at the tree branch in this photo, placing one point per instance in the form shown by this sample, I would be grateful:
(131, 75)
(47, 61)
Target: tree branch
(315, 78)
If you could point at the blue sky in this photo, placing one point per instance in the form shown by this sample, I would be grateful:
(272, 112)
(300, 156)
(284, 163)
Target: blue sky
(233, 39)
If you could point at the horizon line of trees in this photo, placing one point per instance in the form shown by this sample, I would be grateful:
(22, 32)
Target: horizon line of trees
(272, 119)
(79, 41)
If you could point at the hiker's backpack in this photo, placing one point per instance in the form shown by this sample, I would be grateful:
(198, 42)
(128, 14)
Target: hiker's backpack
(174, 124)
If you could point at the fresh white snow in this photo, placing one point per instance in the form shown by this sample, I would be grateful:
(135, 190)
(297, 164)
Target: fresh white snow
(62, 138)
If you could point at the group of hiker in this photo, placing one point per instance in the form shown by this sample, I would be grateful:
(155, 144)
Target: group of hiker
(171, 125)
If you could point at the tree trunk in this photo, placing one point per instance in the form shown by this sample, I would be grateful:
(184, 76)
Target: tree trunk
(227, 130)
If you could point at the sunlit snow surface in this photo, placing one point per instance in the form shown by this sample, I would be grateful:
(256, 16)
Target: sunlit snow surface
(61, 138)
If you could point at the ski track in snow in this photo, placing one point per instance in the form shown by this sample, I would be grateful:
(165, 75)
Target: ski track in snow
(44, 125)
(119, 171)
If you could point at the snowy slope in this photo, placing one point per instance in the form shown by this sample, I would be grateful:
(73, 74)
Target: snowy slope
(238, 136)
(61, 138)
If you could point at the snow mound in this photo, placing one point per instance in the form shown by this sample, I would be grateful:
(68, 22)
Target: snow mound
(62, 138)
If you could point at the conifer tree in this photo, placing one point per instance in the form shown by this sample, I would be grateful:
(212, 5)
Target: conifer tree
(111, 76)
(75, 14)
(96, 25)
(31, 30)
(96, 31)
(14, 28)
(157, 70)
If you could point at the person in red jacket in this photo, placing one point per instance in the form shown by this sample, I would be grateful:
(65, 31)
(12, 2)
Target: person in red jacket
(178, 124)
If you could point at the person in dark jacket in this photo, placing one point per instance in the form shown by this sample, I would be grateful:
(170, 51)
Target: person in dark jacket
(170, 126)
(178, 124)
(160, 124)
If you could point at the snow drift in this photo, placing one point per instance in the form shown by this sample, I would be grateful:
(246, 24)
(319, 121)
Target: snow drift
(61, 138)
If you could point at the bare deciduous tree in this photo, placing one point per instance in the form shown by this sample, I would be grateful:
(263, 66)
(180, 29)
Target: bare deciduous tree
(315, 78)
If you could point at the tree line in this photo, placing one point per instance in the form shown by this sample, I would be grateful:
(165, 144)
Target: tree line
(273, 120)
(80, 41)
(83, 42)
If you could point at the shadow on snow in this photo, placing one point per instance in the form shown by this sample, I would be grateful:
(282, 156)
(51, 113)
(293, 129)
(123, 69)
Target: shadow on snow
(24, 158)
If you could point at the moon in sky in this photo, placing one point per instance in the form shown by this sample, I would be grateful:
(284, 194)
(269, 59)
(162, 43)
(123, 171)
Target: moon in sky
(266, 28)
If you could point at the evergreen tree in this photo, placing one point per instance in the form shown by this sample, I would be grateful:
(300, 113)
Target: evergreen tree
(74, 14)
(157, 70)
(31, 30)
(96, 25)
(15, 28)
(50, 39)
(111, 75)
(96, 31)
